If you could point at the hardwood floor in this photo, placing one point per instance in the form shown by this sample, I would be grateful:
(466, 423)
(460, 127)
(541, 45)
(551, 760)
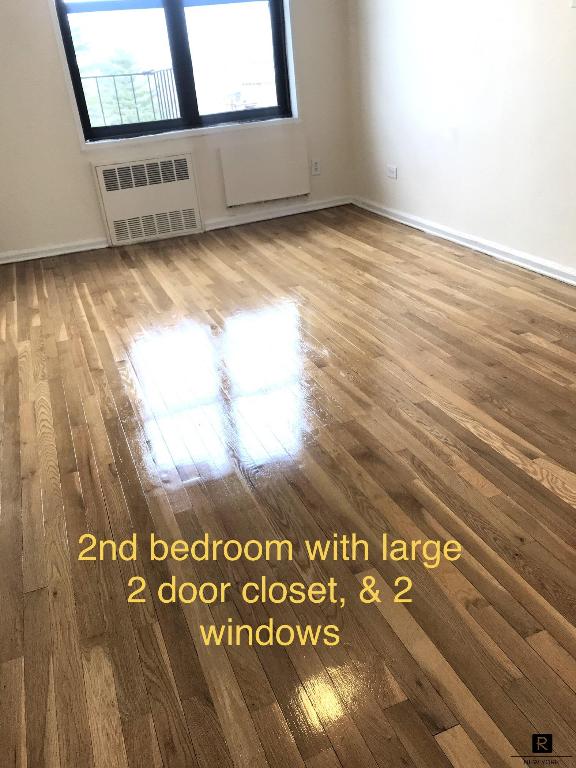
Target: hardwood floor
(325, 373)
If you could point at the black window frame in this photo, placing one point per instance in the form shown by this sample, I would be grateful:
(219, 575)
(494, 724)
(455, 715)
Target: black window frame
(190, 117)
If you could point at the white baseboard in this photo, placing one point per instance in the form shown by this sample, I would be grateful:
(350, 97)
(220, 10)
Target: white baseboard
(266, 211)
(262, 213)
(7, 257)
(501, 252)
(272, 211)
(277, 210)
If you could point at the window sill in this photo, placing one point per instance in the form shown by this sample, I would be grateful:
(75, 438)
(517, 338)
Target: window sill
(103, 144)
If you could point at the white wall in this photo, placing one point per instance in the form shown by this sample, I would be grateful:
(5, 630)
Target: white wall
(475, 102)
(47, 194)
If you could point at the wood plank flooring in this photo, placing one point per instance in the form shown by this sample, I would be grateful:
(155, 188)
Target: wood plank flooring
(326, 373)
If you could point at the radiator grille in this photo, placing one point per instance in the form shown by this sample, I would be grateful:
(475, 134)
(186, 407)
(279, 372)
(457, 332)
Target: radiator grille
(146, 174)
(154, 225)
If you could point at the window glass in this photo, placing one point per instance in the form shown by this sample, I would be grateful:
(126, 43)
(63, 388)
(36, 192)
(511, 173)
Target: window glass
(142, 67)
(125, 65)
(232, 56)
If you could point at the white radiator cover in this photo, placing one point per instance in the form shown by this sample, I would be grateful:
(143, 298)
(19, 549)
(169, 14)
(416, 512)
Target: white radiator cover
(149, 199)
(273, 168)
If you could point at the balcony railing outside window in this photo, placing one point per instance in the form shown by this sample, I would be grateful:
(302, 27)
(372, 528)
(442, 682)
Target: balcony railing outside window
(131, 98)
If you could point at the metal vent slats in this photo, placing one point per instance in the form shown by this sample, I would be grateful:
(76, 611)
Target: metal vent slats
(110, 179)
(139, 175)
(153, 171)
(146, 174)
(121, 230)
(181, 168)
(190, 220)
(168, 173)
(145, 227)
(135, 227)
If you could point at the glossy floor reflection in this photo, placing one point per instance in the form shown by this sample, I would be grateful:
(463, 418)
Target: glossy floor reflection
(222, 395)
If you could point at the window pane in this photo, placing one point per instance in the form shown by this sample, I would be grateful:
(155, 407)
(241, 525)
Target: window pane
(125, 65)
(232, 55)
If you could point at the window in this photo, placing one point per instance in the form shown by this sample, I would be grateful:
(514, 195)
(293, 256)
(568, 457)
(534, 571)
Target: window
(149, 66)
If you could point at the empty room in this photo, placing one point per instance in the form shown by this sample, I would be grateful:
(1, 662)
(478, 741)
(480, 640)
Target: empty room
(287, 383)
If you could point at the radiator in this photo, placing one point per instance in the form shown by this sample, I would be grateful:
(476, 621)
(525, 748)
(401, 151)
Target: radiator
(272, 168)
(149, 199)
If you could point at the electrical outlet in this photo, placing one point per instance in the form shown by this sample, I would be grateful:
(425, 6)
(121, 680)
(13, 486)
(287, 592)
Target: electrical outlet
(392, 171)
(315, 168)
